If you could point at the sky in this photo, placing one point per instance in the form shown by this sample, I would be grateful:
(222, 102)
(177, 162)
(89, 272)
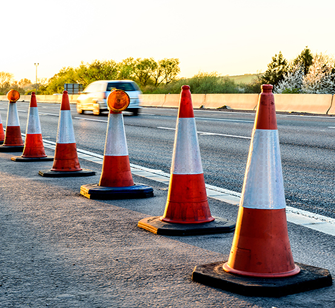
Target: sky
(230, 37)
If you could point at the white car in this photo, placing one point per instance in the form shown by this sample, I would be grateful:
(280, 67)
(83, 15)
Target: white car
(94, 96)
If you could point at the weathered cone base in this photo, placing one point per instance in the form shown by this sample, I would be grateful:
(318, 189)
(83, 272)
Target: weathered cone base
(60, 174)
(155, 225)
(309, 278)
(11, 148)
(94, 191)
(30, 159)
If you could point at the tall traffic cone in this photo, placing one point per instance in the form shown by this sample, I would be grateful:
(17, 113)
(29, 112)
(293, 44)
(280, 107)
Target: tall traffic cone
(2, 133)
(13, 140)
(33, 144)
(66, 163)
(116, 181)
(187, 210)
(261, 247)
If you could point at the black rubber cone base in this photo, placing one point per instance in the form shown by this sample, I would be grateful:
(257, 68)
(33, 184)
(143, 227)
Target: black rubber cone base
(94, 191)
(60, 174)
(309, 278)
(11, 148)
(29, 159)
(155, 225)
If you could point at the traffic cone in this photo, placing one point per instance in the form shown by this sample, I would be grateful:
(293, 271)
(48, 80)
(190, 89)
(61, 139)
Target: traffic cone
(187, 209)
(66, 163)
(261, 247)
(116, 181)
(33, 145)
(2, 133)
(260, 258)
(13, 140)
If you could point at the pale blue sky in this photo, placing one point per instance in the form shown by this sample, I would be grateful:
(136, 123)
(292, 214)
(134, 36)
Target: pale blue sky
(229, 37)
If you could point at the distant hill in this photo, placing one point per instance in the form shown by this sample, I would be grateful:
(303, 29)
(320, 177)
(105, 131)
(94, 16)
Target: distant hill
(246, 78)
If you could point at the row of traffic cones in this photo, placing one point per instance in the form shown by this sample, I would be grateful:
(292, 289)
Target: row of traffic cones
(261, 247)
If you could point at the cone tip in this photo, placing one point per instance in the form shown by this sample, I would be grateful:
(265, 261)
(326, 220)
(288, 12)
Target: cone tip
(65, 101)
(267, 87)
(185, 106)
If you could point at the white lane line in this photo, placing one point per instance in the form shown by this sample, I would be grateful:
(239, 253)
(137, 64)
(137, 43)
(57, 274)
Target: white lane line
(223, 120)
(299, 217)
(331, 126)
(94, 120)
(167, 128)
(223, 135)
(210, 134)
(51, 114)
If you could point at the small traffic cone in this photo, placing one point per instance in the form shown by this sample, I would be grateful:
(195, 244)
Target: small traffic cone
(33, 145)
(2, 133)
(187, 210)
(66, 163)
(13, 139)
(261, 247)
(116, 181)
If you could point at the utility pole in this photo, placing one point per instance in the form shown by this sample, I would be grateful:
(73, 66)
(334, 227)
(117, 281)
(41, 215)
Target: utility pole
(36, 64)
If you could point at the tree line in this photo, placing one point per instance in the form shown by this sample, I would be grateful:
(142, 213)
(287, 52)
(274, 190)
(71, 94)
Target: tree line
(307, 73)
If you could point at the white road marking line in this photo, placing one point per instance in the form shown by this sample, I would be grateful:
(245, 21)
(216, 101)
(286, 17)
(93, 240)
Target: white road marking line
(94, 120)
(224, 120)
(307, 219)
(209, 134)
(51, 114)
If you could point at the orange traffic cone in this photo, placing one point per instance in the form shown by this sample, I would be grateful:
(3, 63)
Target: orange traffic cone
(187, 202)
(261, 224)
(66, 163)
(33, 145)
(2, 133)
(116, 181)
(13, 140)
(261, 247)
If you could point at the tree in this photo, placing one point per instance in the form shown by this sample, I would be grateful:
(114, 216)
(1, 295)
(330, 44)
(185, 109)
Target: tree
(6, 78)
(292, 81)
(126, 69)
(321, 76)
(144, 70)
(97, 70)
(276, 70)
(304, 60)
(166, 71)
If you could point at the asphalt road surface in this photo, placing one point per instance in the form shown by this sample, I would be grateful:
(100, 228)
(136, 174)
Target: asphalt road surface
(59, 249)
(307, 145)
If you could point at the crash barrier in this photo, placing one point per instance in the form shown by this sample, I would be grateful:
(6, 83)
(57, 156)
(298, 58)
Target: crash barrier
(309, 103)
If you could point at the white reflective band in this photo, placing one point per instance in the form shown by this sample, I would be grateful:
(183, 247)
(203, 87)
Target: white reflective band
(33, 124)
(263, 186)
(65, 132)
(12, 116)
(116, 144)
(186, 153)
(0, 119)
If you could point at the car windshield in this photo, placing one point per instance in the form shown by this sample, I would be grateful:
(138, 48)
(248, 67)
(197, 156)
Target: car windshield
(125, 86)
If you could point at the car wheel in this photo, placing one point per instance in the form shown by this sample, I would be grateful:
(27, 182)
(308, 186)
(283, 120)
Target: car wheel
(96, 110)
(136, 112)
(79, 109)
